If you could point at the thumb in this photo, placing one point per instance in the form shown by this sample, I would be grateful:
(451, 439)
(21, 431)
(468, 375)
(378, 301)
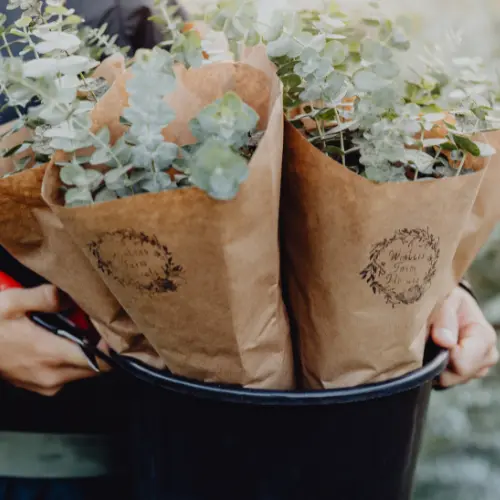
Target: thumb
(445, 327)
(17, 302)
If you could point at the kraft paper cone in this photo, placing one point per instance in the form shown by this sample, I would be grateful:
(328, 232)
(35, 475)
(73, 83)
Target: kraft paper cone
(200, 277)
(485, 214)
(366, 264)
(34, 235)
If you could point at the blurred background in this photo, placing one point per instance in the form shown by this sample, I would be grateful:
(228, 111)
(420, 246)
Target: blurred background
(461, 457)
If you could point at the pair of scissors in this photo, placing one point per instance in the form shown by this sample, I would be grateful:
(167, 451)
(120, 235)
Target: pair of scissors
(64, 328)
(75, 327)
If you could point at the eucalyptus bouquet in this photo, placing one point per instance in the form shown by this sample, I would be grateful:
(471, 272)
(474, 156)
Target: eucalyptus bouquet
(53, 80)
(167, 179)
(382, 170)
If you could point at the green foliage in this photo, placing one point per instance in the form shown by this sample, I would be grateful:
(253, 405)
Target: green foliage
(53, 76)
(238, 19)
(185, 46)
(218, 170)
(222, 128)
(99, 43)
(228, 119)
(59, 77)
(346, 79)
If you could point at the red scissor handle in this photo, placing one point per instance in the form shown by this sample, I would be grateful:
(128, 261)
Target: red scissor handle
(76, 315)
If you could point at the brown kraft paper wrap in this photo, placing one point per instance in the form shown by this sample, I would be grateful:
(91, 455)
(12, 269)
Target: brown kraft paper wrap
(200, 277)
(366, 264)
(34, 235)
(485, 214)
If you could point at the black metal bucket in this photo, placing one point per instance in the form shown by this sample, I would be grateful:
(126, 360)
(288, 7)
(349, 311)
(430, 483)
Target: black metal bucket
(193, 441)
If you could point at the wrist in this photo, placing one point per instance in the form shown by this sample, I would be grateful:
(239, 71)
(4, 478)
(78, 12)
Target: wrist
(465, 285)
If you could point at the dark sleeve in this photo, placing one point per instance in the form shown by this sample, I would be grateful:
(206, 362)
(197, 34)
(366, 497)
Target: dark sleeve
(129, 19)
(141, 33)
(16, 270)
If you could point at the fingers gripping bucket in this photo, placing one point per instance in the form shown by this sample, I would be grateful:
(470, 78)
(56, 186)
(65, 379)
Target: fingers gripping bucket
(193, 441)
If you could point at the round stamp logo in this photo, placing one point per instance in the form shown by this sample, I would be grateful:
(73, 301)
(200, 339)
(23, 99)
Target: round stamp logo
(402, 267)
(137, 260)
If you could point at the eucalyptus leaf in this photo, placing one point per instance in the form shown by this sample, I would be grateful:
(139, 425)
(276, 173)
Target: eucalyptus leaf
(285, 45)
(340, 128)
(101, 156)
(218, 170)
(387, 69)
(467, 145)
(105, 195)
(430, 143)
(57, 41)
(50, 67)
(374, 51)
(485, 150)
(367, 81)
(94, 178)
(142, 156)
(117, 177)
(122, 151)
(422, 161)
(187, 49)
(155, 182)
(73, 175)
(77, 197)
(378, 175)
(165, 154)
(23, 22)
(435, 117)
(228, 119)
(103, 137)
(336, 52)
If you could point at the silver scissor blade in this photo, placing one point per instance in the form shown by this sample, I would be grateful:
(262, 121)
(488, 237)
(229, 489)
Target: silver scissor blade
(91, 359)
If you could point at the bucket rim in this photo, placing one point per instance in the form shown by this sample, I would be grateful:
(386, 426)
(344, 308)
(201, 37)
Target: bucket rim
(262, 397)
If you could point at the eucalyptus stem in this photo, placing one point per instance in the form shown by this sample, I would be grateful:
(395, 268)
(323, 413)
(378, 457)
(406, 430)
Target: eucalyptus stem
(462, 164)
(417, 171)
(31, 43)
(65, 109)
(167, 17)
(7, 46)
(4, 87)
(464, 159)
(342, 145)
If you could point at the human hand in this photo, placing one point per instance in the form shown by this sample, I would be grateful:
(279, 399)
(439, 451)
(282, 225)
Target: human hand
(461, 327)
(30, 357)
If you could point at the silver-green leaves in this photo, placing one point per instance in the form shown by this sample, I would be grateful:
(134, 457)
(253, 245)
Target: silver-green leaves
(238, 19)
(343, 86)
(228, 119)
(82, 181)
(153, 74)
(222, 128)
(51, 80)
(218, 169)
(141, 161)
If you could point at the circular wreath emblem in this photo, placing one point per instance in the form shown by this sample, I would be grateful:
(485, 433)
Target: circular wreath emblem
(401, 268)
(134, 259)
